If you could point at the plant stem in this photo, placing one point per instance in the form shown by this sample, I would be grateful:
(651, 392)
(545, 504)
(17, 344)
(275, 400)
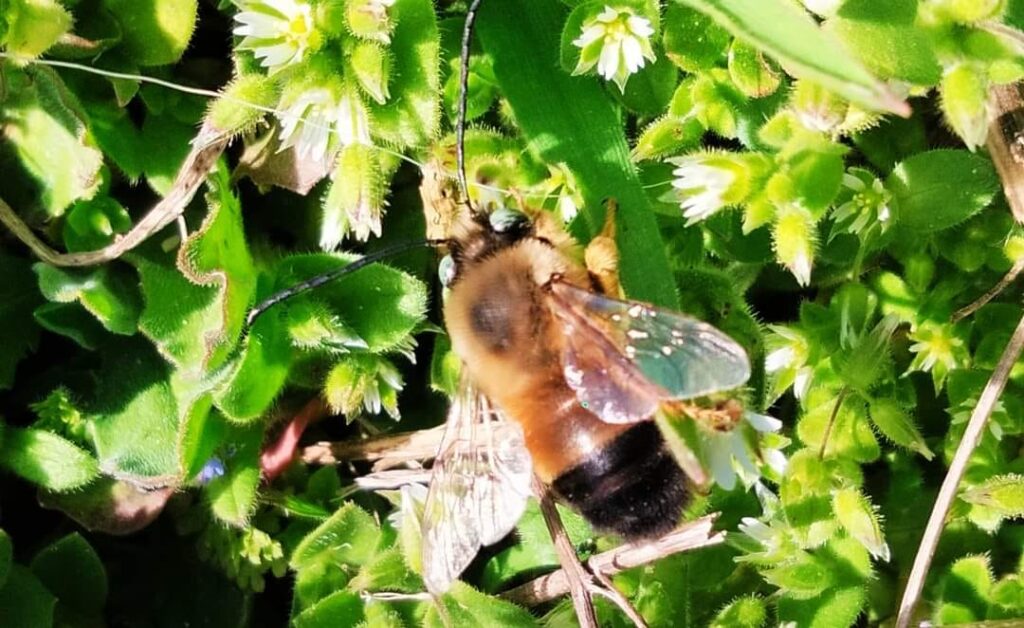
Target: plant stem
(693, 535)
(576, 577)
(206, 149)
(832, 420)
(944, 501)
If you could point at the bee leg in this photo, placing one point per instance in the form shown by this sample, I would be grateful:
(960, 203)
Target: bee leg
(602, 256)
(579, 578)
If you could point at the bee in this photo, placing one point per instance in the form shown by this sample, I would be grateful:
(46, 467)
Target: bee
(560, 378)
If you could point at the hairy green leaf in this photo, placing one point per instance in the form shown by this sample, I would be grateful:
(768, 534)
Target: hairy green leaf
(71, 570)
(24, 601)
(465, 606)
(349, 537)
(18, 297)
(46, 459)
(109, 293)
(791, 36)
(938, 189)
(45, 125)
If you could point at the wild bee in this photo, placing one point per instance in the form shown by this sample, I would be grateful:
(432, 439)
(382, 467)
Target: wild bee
(579, 373)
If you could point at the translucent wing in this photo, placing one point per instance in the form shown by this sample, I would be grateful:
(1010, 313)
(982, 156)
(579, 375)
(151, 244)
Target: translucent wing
(623, 358)
(478, 488)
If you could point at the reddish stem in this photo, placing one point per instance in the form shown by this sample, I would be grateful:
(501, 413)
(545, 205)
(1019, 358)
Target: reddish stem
(278, 455)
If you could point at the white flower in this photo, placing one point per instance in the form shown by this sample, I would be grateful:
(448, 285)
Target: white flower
(306, 124)
(279, 32)
(733, 454)
(310, 121)
(561, 183)
(787, 361)
(618, 42)
(701, 185)
(868, 206)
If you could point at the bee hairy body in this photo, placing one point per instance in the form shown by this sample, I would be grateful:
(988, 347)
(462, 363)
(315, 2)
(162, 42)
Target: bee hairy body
(621, 477)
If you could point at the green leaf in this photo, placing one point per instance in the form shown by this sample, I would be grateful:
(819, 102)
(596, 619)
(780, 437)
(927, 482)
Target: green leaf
(805, 578)
(938, 189)
(523, 59)
(201, 433)
(110, 293)
(259, 373)
(156, 32)
(849, 568)
(465, 606)
(746, 612)
(859, 518)
(73, 321)
(381, 305)
(779, 28)
(18, 297)
(1004, 493)
(895, 423)
(94, 224)
(891, 51)
(233, 495)
(386, 572)
(6, 552)
(71, 570)
(338, 610)
(134, 415)
(34, 25)
(692, 40)
(46, 127)
(649, 91)
(411, 116)
(24, 601)
(850, 436)
(968, 585)
(43, 458)
(349, 537)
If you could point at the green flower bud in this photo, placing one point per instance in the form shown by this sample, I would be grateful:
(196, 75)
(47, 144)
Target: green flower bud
(964, 90)
(371, 66)
(33, 26)
(794, 236)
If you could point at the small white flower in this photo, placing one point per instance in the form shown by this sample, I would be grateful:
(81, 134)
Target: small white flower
(867, 208)
(732, 454)
(787, 361)
(618, 42)
(279, 32)
(306, 124)
(352, 122)
(801, 268)
(561, 183)
(700, 185)
(317, 122)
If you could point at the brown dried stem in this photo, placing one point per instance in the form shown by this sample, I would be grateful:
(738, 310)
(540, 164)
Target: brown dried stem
(693, 535)
(577, 579)
(1004, 283)
(947, 493)
(386, 451)
(206, 149)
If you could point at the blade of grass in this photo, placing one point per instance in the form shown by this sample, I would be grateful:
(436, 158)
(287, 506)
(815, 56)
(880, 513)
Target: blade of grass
(573, 121)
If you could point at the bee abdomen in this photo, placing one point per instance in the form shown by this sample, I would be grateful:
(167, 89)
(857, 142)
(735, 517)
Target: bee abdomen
(632, 486)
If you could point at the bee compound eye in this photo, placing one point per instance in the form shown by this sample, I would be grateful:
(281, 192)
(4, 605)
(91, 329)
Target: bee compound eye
(505, 220)
(446, 270)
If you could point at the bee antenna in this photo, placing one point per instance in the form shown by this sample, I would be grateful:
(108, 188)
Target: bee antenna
(331, 275)
(460, 121)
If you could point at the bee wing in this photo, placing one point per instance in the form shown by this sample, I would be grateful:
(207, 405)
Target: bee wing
(479, 486)
(623, 358)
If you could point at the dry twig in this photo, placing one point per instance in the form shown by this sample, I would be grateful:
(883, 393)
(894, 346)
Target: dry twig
(944, 501)
(692, 535)
(206, 149)
(577, 580)
(386, 451)
(1004, 283)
